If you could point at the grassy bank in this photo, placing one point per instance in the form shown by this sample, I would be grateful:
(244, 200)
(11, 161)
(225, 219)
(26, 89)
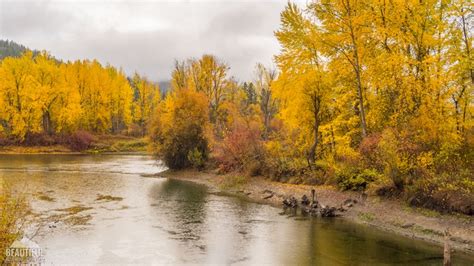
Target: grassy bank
(118, 143)
(392, 215)
(98, 144)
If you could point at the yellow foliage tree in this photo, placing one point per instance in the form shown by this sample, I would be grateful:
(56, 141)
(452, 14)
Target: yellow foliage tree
(19, 113)
(40, 94)
(379, 70)
(146, 98)
(179, 129)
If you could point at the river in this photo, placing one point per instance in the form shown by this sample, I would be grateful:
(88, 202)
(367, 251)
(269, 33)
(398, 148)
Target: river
(106, 209)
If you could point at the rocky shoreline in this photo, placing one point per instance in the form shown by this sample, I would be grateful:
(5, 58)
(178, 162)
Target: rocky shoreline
(388, 215)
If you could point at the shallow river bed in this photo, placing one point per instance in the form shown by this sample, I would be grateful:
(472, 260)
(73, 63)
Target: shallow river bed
(105, 209)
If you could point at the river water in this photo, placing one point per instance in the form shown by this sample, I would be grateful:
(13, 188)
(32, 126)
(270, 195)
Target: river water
(106, 209)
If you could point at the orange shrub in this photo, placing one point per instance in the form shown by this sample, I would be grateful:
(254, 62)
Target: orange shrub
(241, 150)
(80, 140)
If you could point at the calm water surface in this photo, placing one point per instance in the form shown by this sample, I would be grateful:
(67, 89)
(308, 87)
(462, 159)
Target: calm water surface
(105, 210)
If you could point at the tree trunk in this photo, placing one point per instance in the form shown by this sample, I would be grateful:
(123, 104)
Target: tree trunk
(312, 150)
(46, 122)
(357, 70)
(266, 110)
(361, 103)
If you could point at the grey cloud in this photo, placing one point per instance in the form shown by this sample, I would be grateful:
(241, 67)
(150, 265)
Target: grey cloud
(19, 18)
(244, 18)
(147, 36)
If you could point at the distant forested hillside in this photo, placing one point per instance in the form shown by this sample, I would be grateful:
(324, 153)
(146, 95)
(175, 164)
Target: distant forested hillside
(11, 48)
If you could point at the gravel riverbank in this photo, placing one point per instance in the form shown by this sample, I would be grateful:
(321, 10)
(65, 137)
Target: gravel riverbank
(389, 215)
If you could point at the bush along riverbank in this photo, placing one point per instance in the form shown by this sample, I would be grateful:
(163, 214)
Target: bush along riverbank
(391, 215)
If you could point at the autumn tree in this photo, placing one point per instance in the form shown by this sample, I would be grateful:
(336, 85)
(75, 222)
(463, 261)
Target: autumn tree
(343, 36)
(402, 68)
(105, 96)
(303, 87)
(40, 94)
(18, 112)
(460, 16)
(146, 98)
(180, 75)
(49, 81)
(208, 75)
(179, 128)
(264, 81)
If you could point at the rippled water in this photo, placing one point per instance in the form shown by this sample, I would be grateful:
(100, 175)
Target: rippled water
(118, 214)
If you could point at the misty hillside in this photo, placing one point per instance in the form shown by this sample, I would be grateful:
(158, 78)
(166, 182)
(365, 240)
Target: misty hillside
(11, 48)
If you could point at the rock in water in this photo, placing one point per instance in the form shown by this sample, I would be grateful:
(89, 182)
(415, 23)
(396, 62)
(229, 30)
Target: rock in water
(290, 202)
(327, 211)
(304, 200)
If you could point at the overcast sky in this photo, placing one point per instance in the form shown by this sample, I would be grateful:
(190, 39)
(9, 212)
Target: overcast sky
(147, 36)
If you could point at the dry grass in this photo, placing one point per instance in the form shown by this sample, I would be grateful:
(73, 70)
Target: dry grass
(54, 149)
(13, 212)
(102, 143)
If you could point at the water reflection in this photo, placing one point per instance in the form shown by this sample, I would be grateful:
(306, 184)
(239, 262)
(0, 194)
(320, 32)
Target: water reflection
(158, 221)
(228, 230)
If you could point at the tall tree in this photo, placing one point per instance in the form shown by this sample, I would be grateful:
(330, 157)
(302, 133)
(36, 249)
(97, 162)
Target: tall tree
(344, 35)
(303, 87)
(146, 98)
(17, 90)
(263, 83)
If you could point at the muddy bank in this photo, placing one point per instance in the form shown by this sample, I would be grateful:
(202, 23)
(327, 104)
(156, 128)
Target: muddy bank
(389, 215)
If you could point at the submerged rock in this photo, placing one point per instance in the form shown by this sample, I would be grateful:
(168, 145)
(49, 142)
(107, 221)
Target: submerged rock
(290, 202)
(327, 211)
(312, 207)
(304, 200)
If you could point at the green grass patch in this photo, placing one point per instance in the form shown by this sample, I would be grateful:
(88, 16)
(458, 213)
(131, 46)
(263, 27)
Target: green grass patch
(366, 216)
(233, 181)
(130, 145)
(111, 143)
(423, 211)
(427, 231)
